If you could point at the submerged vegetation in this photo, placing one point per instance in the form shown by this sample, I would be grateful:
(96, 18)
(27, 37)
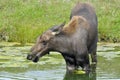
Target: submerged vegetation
(23, 20)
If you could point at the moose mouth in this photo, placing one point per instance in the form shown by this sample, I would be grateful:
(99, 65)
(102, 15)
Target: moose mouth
(34, 58)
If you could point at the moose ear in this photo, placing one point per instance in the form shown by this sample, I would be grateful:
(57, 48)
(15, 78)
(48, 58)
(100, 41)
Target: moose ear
(57, 29)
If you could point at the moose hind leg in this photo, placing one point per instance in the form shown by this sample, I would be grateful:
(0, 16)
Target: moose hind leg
(92, 51)
(94, 57)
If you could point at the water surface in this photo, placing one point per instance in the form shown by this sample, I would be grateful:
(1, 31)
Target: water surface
(14, 66)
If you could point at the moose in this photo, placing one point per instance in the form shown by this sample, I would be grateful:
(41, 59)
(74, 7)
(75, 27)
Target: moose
(74, 40)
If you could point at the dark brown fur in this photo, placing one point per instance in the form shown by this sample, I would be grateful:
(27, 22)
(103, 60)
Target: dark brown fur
(74, 40)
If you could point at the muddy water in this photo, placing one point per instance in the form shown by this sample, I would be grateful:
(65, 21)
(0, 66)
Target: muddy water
(14, 66)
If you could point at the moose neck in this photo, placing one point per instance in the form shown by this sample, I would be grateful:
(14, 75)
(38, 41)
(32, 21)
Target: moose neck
(61, 43)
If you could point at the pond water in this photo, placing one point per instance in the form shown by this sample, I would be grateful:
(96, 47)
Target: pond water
(14, 66)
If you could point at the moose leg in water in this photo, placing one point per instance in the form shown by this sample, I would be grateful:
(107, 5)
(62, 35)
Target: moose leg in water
(83, 61)
(74, 40)
(71, 64)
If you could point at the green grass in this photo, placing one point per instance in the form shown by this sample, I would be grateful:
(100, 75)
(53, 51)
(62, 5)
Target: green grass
(24, 20)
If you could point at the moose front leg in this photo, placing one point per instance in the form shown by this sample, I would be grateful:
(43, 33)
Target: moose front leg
(83, 61)
(70, 63)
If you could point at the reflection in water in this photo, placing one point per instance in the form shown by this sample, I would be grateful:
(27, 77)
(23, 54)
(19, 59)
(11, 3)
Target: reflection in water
(70, 76)
(89, 76)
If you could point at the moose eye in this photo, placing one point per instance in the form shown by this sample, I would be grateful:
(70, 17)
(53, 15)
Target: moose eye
(44, 42)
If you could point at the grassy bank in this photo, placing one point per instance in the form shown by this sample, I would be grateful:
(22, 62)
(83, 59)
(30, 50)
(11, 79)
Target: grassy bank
(23, 20)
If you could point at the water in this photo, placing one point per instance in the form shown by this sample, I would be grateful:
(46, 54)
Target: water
(14, 66)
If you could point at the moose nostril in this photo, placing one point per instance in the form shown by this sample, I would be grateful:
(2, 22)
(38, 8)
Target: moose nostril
(36, 59)
(29, 57)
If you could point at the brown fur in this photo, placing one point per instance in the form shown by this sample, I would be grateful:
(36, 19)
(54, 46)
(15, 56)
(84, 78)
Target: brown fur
(74, 24)
(47, 35)
(75, 49)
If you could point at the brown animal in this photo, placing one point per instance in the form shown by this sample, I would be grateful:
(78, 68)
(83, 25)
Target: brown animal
(74, 40)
